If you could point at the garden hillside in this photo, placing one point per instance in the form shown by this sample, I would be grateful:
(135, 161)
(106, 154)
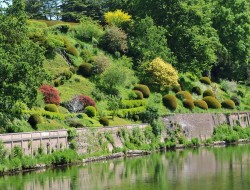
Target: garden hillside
(118, 66)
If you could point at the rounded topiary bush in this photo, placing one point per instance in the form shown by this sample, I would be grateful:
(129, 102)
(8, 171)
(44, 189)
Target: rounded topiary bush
(229, 104)
(236, 100)
(170, 102)
(208, 93)
(85, 69)
(34, 120)
(90, 111)
(104, 121)
(205, 80)
(197, 90)
(144, 89)
(51, 108)
(201, 104)
(139, 94)
(184, 95)
(67, 74)
(187, 103)
(176, 88)
(212, 102)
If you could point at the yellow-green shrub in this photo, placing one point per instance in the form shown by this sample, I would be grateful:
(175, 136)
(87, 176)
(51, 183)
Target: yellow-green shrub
(139, 94)
(197, 90)
(205, 80)
(201, 104)
(34, 120)
(90, 111)
(170, 102)
(208, 93)
(117, 18)
(188, 103)
(229, 104)
(184, 95)
(104, 121)
(132, 103)
(51, 108)
(212, 102)
(161, 73)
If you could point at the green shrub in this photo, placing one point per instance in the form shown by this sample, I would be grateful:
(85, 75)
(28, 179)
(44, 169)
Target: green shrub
(201, 104)
(51, 108)
(129, 113)
(176, 88)
(236, 100)
(195, 141)
(170, 102)
(184, 95)
(240, 93)
(139, 94)
(229, 104)
(72, 50)
(114, 40)
(28, 162)
(85, 69)
(208, 93)
(100, 64)
(90, 111)
(34, 120)
(187, 103)
(64, 157)
(212, 102)
(205, 80)
(104, 121)
(228, 86)
(67, 74)
(197, 90)
(144, 89)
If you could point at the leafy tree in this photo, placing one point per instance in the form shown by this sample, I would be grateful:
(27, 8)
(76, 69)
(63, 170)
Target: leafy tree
(149, 41)
(21, 60)
(161, 74)
(231, 18)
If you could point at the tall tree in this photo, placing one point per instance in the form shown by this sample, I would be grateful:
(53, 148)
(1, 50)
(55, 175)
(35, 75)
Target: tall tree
(21, 60)
(231, 18)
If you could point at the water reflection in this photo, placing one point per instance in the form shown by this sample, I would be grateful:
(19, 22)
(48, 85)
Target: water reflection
(205, 168)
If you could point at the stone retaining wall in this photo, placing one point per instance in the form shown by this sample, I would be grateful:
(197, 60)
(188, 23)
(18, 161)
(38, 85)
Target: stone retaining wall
(202, 125)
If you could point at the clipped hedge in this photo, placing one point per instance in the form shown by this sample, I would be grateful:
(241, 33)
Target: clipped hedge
(90, 111)
(197, 90)
(104, 121)
(138, 94)
(212, 102)
(228, 104)
(205, 80)
(201, 104)
(144, 89)
(129, 113)
(34, 120)
(132, 103)
(208, 93)
(51, 108)
(170, 102)
(176, 88)
(187, 103)
(85, 69)
(184, 95)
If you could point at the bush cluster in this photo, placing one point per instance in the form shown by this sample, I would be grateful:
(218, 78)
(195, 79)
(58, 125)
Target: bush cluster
(229, 104)
(170, 102)
(188, 103)
(201, 104)
(176, 88)
(184, 95)
(197, 90)
(104, 121)
(34, 120)
(51, 95)
(212, 102)
(85, 69)
(132, 103)
(72, 50)
(90, 111)
(208, 93)
(51, 108)
(130, 112)
(144, 89)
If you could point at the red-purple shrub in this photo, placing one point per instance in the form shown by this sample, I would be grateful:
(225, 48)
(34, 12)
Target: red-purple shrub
(51, 95)
(86, 100)
(78, 103)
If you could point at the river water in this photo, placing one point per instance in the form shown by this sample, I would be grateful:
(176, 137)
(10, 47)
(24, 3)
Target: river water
(222, 168)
